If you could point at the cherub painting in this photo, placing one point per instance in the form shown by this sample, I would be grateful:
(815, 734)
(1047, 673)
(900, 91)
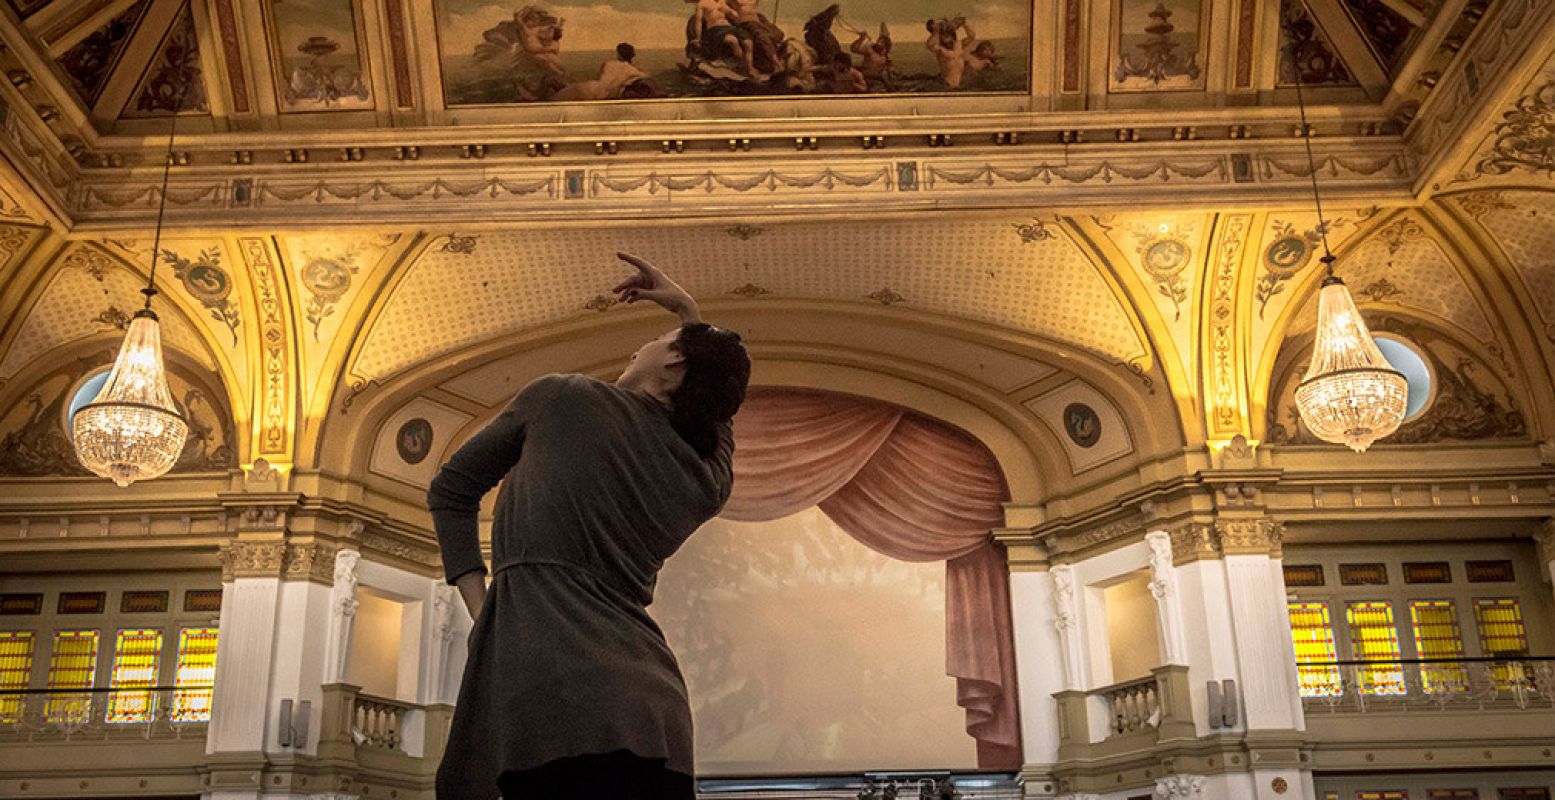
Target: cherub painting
(572, 51)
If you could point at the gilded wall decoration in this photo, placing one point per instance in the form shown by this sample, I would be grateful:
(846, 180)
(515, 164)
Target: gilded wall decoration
(1520, 223)
(413, 440)
(327, 280)
(1470, 400)
(1380, 290)
(1082, 424)
(317, 54)
(35, 440)
(1164, 254)
(1289, 252)
(174, 81)
(90, 61)
(1304, 51)
(1034, 231)
(1157, 45)
(275, 395)
(586, 51)
(1224, 373)
(1525, 136)
(205, 280)
(461, 243)
(1387, 32)
(1478, 204)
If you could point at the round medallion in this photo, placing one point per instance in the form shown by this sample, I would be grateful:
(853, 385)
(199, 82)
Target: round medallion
(1082, 424)
(1279, 785)
(414, 440)
(326, 278)
(1287, 254)
(207, 283)
(1165, 256)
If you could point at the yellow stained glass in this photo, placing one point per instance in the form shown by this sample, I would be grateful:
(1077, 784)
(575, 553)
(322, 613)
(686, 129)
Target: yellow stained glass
(15, 669)
(1373, 637)
(196, 675)
(1383, 795)
(136, 657)
(72, 665)
(1501, 635)
(1313, 636)
(1437, 636)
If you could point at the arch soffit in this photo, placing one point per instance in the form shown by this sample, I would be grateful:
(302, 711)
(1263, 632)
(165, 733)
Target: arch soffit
(169, 303)
(1307, 285)
(1027, 448)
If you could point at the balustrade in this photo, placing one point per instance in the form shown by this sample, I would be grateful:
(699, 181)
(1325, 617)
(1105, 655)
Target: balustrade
(1132, 706)
(161, 712)
(1428, 684)
(376, 722)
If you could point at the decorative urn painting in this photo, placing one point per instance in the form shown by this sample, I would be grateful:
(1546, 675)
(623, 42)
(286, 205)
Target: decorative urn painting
(570, 51)
(318, 55)
(1158, 45)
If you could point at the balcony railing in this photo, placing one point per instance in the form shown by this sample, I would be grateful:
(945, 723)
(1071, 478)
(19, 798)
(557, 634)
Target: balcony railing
(377, 722)
(1132, 706)
(158, 712)
(1434, 684)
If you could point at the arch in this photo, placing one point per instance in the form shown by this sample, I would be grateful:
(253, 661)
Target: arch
(797, 344)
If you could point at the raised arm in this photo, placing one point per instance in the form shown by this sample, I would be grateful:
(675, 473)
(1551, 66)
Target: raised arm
(650, 283)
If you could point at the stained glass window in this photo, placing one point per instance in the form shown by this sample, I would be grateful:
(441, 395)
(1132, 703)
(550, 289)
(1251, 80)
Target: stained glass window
(1531, 793)
(196, 674)
(1313, 636)
(1437, 636)
(1383, 795)
(1452, 794)
(1373, 637)
(15, 669)
(135, 659)
(72, 665)
(1501, 635)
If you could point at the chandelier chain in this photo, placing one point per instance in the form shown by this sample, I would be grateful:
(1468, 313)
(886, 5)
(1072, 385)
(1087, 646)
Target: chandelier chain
(1306, 139)
(167, 168)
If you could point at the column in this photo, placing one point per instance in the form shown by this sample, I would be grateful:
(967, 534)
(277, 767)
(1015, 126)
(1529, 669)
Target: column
(276, 601)
(1270, 698)
(1039, 665)
(1546, 553)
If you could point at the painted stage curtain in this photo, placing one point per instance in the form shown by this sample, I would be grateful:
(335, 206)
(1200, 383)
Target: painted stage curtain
(910, 488)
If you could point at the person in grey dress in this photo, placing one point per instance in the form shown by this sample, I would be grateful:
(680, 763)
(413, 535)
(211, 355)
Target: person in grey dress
(570, 690)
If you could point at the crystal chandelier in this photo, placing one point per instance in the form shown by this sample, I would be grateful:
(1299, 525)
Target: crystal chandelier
(132, 431)
(1350, 394)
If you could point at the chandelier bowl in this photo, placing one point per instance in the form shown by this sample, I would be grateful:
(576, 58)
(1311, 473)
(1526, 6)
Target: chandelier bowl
(1351, 395)
(132, 430)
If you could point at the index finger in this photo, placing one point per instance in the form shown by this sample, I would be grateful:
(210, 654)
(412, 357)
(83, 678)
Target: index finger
(638, 263)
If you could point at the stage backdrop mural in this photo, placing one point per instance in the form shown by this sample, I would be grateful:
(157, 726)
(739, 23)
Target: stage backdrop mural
(580, 50)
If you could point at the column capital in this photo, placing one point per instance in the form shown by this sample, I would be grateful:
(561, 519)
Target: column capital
(1250, 536)
(1193, 541)
(277, 558)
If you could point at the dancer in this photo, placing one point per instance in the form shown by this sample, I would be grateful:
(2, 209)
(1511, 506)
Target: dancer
(570, 690)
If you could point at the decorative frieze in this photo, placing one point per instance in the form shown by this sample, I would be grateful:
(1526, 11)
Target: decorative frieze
(1126, 528)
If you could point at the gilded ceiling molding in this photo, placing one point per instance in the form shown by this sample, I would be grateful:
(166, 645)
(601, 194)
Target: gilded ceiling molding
(275, 373)
(1444, 135)
(1224, 359)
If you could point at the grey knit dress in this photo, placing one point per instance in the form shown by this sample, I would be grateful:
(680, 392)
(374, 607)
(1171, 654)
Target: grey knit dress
(597, 491)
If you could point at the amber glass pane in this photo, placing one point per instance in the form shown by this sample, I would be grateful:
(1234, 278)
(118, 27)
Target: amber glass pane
(135, 661)
(72, 665)
(196, 674)
(1313, 636)
(1373, 637)
(1501, 635)
(1437, 635)
(1383, 795)
(15, 668)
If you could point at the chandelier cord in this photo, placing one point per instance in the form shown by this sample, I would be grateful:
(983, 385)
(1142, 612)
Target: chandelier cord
(1306, 139)
(167, 168)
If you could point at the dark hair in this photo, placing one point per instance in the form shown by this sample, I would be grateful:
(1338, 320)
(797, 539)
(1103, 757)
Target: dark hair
(713, 387)
(625, 52)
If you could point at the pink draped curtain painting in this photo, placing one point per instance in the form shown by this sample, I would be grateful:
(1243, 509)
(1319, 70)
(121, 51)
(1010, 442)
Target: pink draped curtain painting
(909, 488)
